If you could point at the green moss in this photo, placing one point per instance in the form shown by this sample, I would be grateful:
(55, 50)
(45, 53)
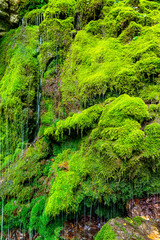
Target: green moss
(61, 199)
(153, 108)
(60, 9)
(49, 229)
(131, 32)
(79, 123)
(90, 76)
(94, 27)
(114, 151)
(102, 154)
(89, 72)
(34, 17)
(18, 87)
(136, 221)
(81, 10)
(106, 233)
(55, 36)
(28, 5)
(150, 93)
(48, 116)
(36, 213)
(20, 174)
(122, 108)
(83, 121)
(152, 140)
(153, 130)
(11, 215)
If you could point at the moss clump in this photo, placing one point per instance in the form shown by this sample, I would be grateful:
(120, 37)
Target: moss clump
(136, 221)
(63, 195)
(106, 233)
(79, 121)
(61, 9)
(152, 140)
(11, 215)
(150, 93)
(123, 107)
(36, 213)
(55, 35)
(94, 27)
(111, 153)
(153, 108)
(22, 175)
(132, 32)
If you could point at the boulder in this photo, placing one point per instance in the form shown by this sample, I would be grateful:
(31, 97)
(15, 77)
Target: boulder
(129, 229)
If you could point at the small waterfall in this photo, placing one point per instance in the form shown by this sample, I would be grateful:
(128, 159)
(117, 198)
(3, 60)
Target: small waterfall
(30, 234)
(27, 123)
(148, 185)
(40, 40)
(8, 232)
(47, 36)
(23, 29)
(101, 217)
(38, 104)
(1, 153)
(84, 210)
(22, 22)
(39, 19)
(39, 87)
(22, 146)
(2, 221)
(91, 212)
(56, 59)
(7, 143)
(76, 224)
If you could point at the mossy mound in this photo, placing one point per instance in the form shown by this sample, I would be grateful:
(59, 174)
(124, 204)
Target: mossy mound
(114, 151)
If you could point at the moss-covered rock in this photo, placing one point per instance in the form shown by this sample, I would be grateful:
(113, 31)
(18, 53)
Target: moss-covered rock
(136, 228)
(96, 144)
(114, 151)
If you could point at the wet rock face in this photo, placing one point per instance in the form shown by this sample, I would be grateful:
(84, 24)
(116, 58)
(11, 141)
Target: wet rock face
(8, 15)
(148, 208)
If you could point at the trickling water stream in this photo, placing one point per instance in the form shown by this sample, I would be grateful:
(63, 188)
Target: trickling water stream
(38, 95)
(2, 221)
(39, 19)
